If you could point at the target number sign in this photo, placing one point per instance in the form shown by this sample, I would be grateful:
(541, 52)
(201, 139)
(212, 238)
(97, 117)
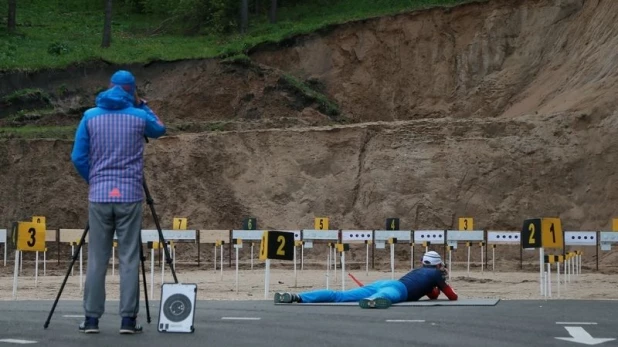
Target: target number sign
(466, 223)
(180, 224)
(277, 245)
(542, 232)
(30, 236)
(320, 223)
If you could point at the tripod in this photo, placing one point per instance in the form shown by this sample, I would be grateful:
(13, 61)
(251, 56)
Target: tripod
(168, 258)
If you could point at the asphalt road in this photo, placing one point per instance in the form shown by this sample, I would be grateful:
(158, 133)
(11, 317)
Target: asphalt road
(262, 324)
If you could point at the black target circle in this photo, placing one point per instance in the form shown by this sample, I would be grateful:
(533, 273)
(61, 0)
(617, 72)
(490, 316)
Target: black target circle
(177, 308)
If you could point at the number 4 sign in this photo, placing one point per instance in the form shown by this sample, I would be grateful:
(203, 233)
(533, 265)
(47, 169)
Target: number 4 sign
(542, 233)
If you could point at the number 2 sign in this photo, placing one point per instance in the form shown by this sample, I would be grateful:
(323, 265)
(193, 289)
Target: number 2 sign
(542, 232)
(277, 245)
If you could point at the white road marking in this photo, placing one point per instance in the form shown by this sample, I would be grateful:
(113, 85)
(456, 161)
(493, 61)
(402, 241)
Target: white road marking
(241, 318)
(73, 315)
(20, 342)
(405, 321)
(580, 335)
(577, 323)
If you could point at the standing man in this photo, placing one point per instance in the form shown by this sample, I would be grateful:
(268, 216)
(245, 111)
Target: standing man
(428, 281)
(108, 154)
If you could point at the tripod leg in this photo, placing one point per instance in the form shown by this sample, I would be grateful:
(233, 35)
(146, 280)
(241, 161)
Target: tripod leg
(168, 258)
(141, 255)
(75, 255)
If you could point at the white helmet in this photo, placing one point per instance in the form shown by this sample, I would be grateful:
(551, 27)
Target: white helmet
(432, 258)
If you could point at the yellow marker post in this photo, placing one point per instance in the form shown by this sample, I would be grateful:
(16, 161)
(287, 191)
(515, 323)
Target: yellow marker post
(320, 223)
(466, 223)
(275, 245)
(615, 224)
(237, 244)
(114, 246)
(28, 237)
(542, 233)
(179, 223)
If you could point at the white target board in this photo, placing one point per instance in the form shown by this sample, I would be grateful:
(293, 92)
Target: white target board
(503, 237)
(608, 238)
(400, 235)
(433, 236)
(3, 240)
(580, 238)
(153, 235)
(359, 236)
(458, 235)
(248, 235)
(328, 235)
(297, 234)
(177, 310)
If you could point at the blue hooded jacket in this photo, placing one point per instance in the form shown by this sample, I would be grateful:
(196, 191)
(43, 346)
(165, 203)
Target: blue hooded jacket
(109, 146)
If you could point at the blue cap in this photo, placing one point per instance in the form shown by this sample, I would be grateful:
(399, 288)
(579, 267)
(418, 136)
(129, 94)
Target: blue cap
(124, 79)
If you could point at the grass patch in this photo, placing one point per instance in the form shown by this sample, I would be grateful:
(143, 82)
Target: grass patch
(54, 34)
(241, 59)
(25, 96)
(34, 132)
(324, 104)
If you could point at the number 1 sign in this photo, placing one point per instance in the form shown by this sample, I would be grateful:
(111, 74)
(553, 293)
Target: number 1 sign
(542, 233)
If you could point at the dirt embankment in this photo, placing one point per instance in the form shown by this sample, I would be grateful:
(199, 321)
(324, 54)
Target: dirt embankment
(500, 111)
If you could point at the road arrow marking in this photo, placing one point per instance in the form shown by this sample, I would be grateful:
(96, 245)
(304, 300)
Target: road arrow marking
(579, 335)
(405, 321)
(241, 318)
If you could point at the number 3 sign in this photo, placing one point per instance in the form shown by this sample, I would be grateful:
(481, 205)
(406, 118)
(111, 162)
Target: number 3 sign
(277, 245)
(30, 236)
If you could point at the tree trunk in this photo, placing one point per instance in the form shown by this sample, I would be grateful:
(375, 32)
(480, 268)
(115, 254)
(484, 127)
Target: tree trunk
(257, 7)
(244, 16)
(273, 11)
(12, 23)
(107, 25)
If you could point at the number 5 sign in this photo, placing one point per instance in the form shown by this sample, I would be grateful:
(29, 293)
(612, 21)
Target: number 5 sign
(277, 245)
(542, 233)
(30, 236)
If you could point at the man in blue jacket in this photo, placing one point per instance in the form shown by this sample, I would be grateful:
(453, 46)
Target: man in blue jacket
(108, 155)
(428, 280)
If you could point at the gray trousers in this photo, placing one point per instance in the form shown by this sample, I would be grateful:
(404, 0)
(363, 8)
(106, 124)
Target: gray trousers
(126, 220)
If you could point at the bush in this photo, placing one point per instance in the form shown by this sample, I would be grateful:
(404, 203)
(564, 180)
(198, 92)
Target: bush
(58, 48)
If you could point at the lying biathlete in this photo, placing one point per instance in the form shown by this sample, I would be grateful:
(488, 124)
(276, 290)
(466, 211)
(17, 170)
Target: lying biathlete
(429, 280)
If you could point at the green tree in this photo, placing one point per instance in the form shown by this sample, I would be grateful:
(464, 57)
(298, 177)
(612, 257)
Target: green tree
(12, 23)
(273, 11)
(244, 16)
(107, 25)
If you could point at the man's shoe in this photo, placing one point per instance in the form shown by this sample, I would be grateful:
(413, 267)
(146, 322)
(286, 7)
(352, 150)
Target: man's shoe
(286, 298)
(89, 326)
(375, 303)
(130, 326)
